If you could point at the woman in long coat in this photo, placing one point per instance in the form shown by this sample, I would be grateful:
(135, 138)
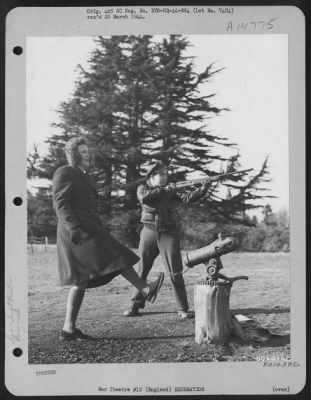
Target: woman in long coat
(88, 256)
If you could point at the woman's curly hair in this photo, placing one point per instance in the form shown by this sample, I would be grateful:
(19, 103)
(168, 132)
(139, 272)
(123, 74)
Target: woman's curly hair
(71, 150)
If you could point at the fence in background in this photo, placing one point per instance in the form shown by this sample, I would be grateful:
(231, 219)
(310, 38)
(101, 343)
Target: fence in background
(35, 240)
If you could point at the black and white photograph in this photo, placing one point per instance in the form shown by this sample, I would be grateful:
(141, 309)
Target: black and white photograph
(160, 224)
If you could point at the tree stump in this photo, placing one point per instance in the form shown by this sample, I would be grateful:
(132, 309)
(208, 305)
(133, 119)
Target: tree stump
(213, 320)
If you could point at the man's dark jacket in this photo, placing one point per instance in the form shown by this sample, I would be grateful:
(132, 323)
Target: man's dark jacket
(99, 258)
(158, 205)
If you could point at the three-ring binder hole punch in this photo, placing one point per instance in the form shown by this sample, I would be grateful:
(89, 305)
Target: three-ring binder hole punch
(17, 50)
(17, 201)
(17, 352)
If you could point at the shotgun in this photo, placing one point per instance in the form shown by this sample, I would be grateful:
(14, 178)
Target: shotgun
(191, 182)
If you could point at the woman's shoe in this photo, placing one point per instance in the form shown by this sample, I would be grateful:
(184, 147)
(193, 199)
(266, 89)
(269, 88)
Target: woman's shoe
(67, 335)
(81, 335)
(154, 287)
(76, 335)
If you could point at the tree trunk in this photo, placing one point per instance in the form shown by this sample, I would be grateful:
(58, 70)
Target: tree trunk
(132, 165)
(213, 320)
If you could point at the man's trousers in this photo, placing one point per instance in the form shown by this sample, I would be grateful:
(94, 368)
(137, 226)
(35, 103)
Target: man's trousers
(153, 243)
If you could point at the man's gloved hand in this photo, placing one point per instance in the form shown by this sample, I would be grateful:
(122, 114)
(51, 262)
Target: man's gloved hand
(205, 184)
(78, 235)
(170, 188)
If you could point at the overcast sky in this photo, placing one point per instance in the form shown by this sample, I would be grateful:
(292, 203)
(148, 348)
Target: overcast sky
(253, 84)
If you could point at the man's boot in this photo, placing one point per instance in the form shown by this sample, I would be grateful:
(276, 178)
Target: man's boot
(133, 311)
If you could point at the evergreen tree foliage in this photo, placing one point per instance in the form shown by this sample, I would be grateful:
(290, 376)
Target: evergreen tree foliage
(41, 218)
(181, 111)
(139, 101)
(33, 161)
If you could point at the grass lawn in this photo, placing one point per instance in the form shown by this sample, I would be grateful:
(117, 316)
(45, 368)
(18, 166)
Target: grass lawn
(158, 335)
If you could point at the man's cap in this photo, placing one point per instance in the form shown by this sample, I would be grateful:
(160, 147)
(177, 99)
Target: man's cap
(156, 167)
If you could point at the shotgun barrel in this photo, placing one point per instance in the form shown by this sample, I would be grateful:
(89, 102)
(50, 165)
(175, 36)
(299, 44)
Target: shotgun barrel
(191, 182)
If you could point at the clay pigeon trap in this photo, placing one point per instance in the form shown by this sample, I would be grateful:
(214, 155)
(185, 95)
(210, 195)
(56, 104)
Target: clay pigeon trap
(214, 323)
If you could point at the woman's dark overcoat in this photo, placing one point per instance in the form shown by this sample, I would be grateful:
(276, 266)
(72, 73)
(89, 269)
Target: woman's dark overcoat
(100, 257)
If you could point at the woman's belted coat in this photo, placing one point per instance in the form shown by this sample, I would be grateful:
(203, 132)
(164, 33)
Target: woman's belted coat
(100, 257)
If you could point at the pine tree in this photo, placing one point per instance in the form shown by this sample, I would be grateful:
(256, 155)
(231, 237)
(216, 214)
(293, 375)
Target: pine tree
(181, 111)
(33, 161)
(181, 137)
(135, 105)
(140, 100)
(41, 218)
(108, 107)
(246, 193)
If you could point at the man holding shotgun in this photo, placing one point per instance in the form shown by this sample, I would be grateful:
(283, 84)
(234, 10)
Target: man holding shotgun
(159, 234)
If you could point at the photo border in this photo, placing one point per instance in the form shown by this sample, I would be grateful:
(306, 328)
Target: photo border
(294, 178)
